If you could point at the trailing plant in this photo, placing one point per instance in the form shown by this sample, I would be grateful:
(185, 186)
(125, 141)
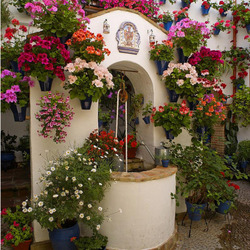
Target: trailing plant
(241, 105)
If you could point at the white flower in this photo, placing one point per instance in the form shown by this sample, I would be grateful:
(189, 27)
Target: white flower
(100, 208)
(73, 179)
(52, 169)
(89, 179)
(81, 203)
(120, 210)
(89, 206)
(98, 227)
(67, 167)
(51, 211)
(67, 191)
(45, 192)
(48, 173)
(35, 198)
(51, 219)
(90, 163)
(80, 185)
(54, 210)
(77, 196)
(25, 210)
(42, 178)
(93, 170)
(24, 203)
(80, 191)
(55, 195)
(67, 152)
(66, 178)
(88, 217)
(40, 204)
(63, 194)
(76, 192)
(83, 159)
(110, 171)
(100, 184)
(81, 215)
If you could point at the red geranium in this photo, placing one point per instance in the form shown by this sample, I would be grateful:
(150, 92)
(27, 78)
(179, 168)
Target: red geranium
(131, 140)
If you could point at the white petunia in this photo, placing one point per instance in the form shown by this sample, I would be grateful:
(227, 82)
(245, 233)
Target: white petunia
(51, 211)
(63, 194)
(89, 179)
(76, 192)
(66, 178)
(30, 209)
(89, 206)
(24, 203)
(81, 215)
(67, 152)
(81, 203)
(40, 204)
(45, 192)
(52, 169)
(77, 196)
(48, 173)
(73, 179)
(80, 191)
(67, 167)
(51, 219)
(25, 210)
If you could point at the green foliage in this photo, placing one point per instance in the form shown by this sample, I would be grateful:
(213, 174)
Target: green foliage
(136, 105)
(5, 13)
(7, 141)
(241, 106)
(19, 225)
(74, 185)
(147, 109)
(19, 4)
(162, 52)
(165, 17)
(243, 151)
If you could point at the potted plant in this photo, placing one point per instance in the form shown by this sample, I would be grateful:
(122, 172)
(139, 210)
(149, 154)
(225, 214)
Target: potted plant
(65, 17)
(135, 107)
(147, 111)
(167, 19)
(172, 117)
(222, 25)
(162, 54)
(199, 177)
(87, 80)
(19, 4)
(164, 160)
(19, 233)
(15, 93)
(182, 79)
(188, 35)
(240, 106)
(223, 7)
(88, 46)
(205, 7)
(44, 59)
(54, 116)
(80, 183)
(132, 144)
(104, 117)
(181, 14)
(13, 41)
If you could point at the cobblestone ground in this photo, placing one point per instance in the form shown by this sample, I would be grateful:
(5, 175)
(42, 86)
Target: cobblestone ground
(225, 232)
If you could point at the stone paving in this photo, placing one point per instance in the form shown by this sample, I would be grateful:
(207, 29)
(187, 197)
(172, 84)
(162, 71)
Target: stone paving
(225, 232)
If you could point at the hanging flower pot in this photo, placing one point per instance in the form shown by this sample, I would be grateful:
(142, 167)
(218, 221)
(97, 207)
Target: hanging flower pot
(182, 58)
(136, 120)
(248, 28)
(205, 9)
(216, 31)
(167, 25)
(173, 97)
(195, 210)
(86, 103)
(19, 113)
(146, 119)
(46, 85)
(185, 3)
(169, 135)
(161, 66)
(224, 207)
(165, 163)
(23, 245)
(60, 238)
(223, 13)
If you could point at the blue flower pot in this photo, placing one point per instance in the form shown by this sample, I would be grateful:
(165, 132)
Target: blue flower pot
(162, 1)
(173, 97)
(19, 113)
(165, 163)
(223, 14)
(60, 238)
(161, 66)
(185, 3)
(224, 207)
(203, 133)
(248, 28)
(216, 31)
(204, 11)
(168, 134)
(136, 120)
(86, 103)
(168, 25)
(182, 57)
(46, 86)
(195, 210)
(14, 67)
(146, 119)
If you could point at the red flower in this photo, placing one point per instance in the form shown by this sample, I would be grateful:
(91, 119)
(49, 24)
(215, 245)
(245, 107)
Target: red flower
(15, 22)
(72, 239)
(133, 144)
(232, 77)
(23, 28)
(221, 3)
(223, 174)
(16, 224)
(8, 35)
(4, 211)
(223, 85)
(221, 10)
(9, 236)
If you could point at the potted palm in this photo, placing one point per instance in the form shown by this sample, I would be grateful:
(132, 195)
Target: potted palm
(147, 111)
(162, 54)
(80, 182)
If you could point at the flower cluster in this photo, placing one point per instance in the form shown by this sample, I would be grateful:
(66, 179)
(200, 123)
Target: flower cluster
(103, 145)
(88, 46)
(182, 78)
(235, 186)
(14, 89)
(162, 52)
(88, 79)
(223, 25)
(172, 117)
(206, 59)
(208, 111)
(146, 7)
(55, 114)
(13, 41)
(65, 17)
(189, 35)
(167, 16)
(181, 14)
(44, 58)
(241, 13)
(223, 7)
(73, 187)
(19, 226)
(206, 4)
(131, 141)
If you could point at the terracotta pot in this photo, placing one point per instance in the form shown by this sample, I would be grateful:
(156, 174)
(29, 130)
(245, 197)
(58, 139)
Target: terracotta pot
(131, 153)
(23, 245)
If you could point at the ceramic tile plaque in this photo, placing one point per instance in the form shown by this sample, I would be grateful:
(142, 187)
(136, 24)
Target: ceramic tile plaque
(128, 38)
